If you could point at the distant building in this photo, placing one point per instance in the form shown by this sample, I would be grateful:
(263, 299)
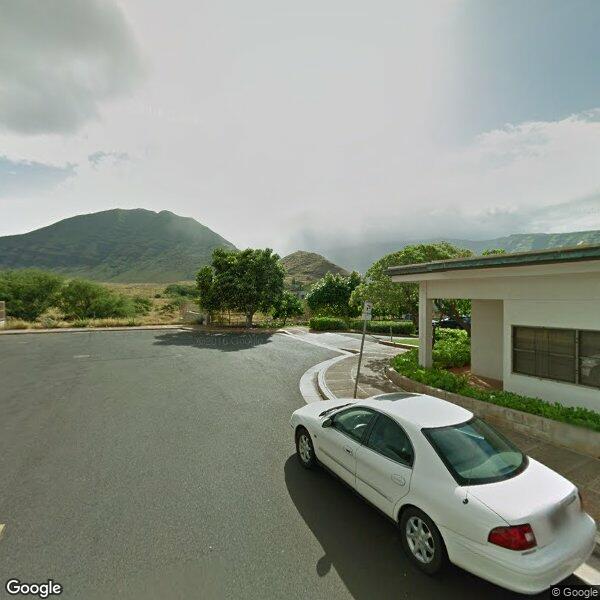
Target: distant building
(535, 325)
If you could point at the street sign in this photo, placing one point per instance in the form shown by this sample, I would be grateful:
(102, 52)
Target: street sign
(367, 311)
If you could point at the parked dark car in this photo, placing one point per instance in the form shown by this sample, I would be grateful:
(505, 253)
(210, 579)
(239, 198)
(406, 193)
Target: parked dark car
(452, 323)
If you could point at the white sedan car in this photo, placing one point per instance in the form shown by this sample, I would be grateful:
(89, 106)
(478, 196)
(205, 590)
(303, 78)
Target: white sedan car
(457, 488)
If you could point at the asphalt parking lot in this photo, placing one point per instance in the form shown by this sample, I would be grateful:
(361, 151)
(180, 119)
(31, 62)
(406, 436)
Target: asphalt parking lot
(160, 464)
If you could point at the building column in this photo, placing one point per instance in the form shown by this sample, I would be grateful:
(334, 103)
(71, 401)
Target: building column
(425, 326)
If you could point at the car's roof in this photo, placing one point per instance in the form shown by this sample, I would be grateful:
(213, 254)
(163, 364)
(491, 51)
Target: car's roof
(419, 409)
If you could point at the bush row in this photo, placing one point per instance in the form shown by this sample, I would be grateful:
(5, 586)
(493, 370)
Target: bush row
(398, 327)
(407, 364)
(327, 324)
(339, 324)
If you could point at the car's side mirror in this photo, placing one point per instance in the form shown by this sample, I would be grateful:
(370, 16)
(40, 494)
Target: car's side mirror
(327, 422)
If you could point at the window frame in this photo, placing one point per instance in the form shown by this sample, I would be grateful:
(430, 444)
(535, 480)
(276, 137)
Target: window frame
(348, 409)
(370, 431)
(576, 356)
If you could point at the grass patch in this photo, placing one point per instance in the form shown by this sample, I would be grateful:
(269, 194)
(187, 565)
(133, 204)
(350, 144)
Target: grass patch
(407, 364)
(409, 341)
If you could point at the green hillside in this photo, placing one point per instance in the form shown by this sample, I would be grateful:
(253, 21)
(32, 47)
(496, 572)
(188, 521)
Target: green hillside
(523, 242)
(116, 245)
(305, 268)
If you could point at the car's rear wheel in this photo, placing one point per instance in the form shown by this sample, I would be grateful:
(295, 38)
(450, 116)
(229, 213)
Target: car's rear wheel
(422, 541)
(305, 451)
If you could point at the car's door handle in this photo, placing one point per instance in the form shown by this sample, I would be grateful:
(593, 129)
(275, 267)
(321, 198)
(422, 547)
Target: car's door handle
(348, 450)
(399, 479)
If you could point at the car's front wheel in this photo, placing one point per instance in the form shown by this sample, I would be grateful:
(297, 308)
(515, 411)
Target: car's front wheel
(305, 451)
(422, 541)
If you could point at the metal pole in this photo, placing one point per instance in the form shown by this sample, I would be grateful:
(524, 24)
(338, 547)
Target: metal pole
(362, 344)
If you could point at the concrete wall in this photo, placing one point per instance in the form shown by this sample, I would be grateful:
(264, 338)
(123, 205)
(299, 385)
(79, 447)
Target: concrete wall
(573, 314)
(487, 318)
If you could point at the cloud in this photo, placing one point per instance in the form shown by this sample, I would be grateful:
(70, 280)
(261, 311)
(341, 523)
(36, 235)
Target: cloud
(537, 176)
(19, 177)
(100, 157)
(59, 60)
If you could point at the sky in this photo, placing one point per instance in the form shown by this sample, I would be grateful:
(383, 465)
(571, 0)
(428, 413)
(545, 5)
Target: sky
(293, 125)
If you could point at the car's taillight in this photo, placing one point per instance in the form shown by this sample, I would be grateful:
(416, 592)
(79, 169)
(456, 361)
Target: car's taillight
(517, 537)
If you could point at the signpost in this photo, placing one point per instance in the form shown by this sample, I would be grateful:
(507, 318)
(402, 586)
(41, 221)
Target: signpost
(366, 315)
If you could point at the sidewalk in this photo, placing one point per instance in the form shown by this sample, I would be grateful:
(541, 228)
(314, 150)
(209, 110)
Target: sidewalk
(583, 471)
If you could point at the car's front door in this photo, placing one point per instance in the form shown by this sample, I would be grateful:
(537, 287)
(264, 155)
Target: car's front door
(338, 444)
(384, 464)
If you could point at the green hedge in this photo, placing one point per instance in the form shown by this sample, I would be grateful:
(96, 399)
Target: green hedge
(407, 364)
(327, 324)
(401, 327)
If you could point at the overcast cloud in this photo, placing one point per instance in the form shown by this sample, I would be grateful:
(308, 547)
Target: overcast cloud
(296, 126)
(59, 59)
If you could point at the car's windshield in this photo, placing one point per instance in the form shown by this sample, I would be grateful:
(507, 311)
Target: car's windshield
(476, 453)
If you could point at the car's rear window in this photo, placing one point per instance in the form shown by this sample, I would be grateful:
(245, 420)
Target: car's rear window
(475, 453)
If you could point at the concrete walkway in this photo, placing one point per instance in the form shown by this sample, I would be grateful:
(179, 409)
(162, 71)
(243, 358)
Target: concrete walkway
(337, 380)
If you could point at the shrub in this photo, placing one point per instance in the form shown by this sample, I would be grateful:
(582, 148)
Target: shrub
(452, 348)
(12, 323)
(141, 305)
(81, 299)
(80, 323)
(407, 365)
(28, 293)
(398, 327)
(327, 324)
(181, 290)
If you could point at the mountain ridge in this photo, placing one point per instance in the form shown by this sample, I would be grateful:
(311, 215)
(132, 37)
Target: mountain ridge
(116, 245)
(304, 268)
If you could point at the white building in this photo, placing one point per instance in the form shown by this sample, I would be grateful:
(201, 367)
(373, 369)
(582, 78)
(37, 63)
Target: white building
(535, 318)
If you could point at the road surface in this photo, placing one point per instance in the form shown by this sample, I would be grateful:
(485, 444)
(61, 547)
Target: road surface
(160, 464)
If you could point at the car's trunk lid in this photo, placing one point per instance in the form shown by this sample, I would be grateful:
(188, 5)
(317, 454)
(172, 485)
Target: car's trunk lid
(538, 496)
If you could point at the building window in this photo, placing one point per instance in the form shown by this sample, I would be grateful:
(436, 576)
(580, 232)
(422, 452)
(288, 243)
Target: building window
(547, 353)
(559, 354)
(589, 358)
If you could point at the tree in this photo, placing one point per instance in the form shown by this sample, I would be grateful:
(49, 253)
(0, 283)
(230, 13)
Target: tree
(491, 251)
(396, 299)
(81, 299)
(330, 295)
(209, 299)
(28, 293)
(248, 281)
(288, 306)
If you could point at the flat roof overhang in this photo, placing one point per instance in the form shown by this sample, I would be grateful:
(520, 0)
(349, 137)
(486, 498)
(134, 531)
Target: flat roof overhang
(554, 261)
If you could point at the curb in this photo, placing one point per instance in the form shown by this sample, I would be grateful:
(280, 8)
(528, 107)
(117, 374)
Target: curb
(398, 345)
(89, 329)
(312, 384)
(322, 386)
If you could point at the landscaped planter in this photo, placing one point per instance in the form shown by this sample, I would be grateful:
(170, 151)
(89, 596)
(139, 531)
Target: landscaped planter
(569, 436)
